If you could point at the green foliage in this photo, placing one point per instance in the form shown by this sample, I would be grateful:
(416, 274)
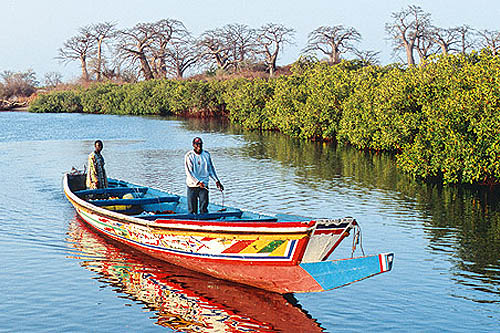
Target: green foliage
(246, 100)
(146, 98)
(382, 112)
(102, 98)
(458, 138)
(56, 102)
(442, 118)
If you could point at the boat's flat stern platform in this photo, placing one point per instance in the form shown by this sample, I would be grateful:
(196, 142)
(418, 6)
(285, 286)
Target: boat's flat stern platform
(337, 273)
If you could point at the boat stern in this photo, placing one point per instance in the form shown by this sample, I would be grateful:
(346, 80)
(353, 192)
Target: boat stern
(327, 235)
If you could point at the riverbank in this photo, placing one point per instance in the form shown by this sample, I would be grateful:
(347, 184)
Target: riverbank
(440, 119)
(14, 106)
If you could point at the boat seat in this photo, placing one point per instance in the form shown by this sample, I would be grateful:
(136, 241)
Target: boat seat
(135, 201)
(207, 216)
(112, 191)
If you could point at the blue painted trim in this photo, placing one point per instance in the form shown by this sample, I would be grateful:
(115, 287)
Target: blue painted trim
(337, 273)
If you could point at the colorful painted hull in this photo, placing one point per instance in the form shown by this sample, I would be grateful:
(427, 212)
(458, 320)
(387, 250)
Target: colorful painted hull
(184, 300)
(276, 254)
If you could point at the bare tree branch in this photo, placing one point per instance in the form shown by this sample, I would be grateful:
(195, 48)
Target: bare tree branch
(332, 41)
(270, 38)
(229, 47)
(490, 39)
(52, 79)
(408, 26)
(80, 48)
(466, 37)
(445, 38)
(100, 32)
(134, 44)
(167, 31)
(180, 55)
(367, 57)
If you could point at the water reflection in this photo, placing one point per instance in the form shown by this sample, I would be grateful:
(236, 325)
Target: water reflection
(463, 224)
(183, 300)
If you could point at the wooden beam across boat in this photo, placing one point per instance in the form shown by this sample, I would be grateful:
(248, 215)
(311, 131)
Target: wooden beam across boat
(112, 191)
(135, 201)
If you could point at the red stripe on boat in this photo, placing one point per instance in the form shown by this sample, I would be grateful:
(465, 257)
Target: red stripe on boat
(240, 224)
(380, 262)
(329, 231)
(236, 248)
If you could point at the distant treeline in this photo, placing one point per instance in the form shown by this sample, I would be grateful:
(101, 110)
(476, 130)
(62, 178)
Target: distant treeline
(441, 119)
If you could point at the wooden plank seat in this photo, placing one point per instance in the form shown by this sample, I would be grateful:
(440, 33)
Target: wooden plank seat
(112, 191)
(207, 216)
(135, 201)
(117, 183)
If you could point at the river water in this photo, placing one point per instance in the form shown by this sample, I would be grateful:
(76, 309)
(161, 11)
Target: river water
(57, 275)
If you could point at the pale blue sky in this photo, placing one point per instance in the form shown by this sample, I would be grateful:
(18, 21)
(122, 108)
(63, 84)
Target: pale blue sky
(31, 31)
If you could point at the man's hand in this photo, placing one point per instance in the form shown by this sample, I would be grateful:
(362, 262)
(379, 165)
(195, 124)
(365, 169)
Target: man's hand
(219, 186)
(201, 184)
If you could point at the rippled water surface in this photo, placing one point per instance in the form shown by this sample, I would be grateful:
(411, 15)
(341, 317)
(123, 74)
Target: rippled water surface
(57, 275)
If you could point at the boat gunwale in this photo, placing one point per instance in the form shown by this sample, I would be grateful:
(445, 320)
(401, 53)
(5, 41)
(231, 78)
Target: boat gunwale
(306, 227)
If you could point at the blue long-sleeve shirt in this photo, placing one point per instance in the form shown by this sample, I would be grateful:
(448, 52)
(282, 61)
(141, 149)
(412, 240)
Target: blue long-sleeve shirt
(199, 168)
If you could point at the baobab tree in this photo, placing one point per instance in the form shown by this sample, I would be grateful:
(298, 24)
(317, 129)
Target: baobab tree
(147, 42)
(213, 48)
(242, 44)
(332, 41)
(78, 48)
(179, 56)
(270, 39)
(445, 38)
(425, 46)
(408, 26)
(167, 31)
(490, 39)
(134, 43)
(466, 38)
(99, 32)
(229, 47)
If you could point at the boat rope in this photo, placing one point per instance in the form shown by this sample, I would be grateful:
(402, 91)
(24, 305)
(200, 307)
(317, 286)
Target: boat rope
(357, 239)
(222, 205)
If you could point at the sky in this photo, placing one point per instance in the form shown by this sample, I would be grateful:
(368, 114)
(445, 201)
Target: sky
(31, 31)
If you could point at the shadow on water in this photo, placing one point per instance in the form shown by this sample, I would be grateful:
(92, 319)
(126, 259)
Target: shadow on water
(183, 300)
(462, 223)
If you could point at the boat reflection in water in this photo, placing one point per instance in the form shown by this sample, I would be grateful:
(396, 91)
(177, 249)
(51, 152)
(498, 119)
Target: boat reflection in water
(184, 300)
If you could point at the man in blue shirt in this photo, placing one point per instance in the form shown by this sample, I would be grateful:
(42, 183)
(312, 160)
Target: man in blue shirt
(199, 168)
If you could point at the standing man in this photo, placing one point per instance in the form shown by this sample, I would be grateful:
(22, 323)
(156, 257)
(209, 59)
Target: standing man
(199, 168)
(96, 176)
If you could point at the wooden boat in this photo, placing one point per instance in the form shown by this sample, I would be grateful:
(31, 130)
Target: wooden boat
(279, 253)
